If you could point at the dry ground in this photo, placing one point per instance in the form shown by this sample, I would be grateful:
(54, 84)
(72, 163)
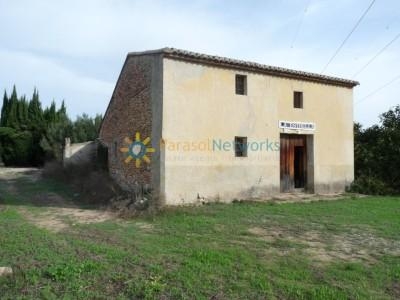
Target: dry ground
(353, 246)
(57, 211)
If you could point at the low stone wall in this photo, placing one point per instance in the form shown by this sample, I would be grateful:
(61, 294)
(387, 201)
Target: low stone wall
(79, 153)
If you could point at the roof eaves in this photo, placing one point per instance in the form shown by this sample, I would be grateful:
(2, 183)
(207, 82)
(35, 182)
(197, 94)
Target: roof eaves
(247, 65)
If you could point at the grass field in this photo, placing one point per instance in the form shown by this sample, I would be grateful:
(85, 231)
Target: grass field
(342, 249)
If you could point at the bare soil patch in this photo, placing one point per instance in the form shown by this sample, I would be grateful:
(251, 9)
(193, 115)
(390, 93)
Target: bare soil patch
(323, 247)
(306, 197)
(58, 218)
(145, 226)
(56, 213)
(394, 290)
(15, 173)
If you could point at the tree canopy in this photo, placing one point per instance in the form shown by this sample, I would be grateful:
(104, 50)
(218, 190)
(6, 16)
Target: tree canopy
(29, 134)
(377, 155)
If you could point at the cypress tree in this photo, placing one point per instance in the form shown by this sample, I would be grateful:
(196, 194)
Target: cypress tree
(4, 110)
(37, 128)
(52, 112)
(12, 117)
(23, 113)
(25, 110)
(62, 112)
(35, 112)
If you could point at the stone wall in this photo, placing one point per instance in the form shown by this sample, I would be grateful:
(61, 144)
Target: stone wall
(79, 154)
(131, 111)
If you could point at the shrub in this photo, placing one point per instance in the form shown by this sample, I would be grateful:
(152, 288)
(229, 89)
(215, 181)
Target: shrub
(17, 147)
(92, 184)
(370, 185)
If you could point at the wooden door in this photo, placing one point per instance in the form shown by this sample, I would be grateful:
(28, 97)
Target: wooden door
(293, 161)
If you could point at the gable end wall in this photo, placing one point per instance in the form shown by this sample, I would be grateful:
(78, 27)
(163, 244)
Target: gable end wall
(132, 109)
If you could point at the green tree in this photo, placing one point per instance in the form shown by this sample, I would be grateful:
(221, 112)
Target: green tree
(35, 112)
(37, 127)
(53, 141)
(12, 113)
(16, 146)
(389, 148)
(50, 113)
(22, 113)
(4, 110)
(29, 134)
(377, 155)
(86, 128)
(62, 112)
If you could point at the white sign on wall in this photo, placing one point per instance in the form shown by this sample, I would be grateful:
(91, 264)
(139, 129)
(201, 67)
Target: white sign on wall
(297, 125)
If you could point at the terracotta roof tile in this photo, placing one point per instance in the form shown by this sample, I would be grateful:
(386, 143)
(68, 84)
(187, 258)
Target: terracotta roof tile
(248, 66)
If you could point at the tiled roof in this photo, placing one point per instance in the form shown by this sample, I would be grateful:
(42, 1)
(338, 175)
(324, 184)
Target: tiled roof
(248, 66)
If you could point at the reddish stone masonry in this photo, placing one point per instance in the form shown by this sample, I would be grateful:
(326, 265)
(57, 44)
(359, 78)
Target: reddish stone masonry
(129, 112)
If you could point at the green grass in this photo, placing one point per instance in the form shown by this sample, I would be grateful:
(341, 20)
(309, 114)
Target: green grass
(201, 253)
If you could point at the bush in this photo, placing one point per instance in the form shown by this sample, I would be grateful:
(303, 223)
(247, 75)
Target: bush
(377, 155)
(93, 185)
(370, 185)
(16, 147)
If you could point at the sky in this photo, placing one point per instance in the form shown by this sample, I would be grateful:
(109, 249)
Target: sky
(74, 50)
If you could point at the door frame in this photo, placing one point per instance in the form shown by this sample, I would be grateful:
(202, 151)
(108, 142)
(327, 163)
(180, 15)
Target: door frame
(288, 142)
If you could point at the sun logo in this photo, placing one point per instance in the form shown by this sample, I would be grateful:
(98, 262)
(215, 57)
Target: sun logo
(137, 150)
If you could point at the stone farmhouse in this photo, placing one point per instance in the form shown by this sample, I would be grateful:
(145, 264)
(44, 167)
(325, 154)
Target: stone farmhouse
(197, 127)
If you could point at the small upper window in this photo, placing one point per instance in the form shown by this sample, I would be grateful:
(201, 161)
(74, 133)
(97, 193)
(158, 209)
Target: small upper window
(298, 99)
(241, 84)
(240, 146)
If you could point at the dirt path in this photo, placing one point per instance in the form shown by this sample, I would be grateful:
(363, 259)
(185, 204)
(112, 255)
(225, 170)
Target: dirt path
(46, 209)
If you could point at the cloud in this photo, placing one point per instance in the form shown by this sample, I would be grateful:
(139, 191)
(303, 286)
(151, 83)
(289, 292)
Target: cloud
(81, 93)
(75, 49)
(98, 28)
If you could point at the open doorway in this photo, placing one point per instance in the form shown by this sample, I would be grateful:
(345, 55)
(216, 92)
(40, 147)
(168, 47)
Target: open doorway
(294, 162)
(299, 167)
